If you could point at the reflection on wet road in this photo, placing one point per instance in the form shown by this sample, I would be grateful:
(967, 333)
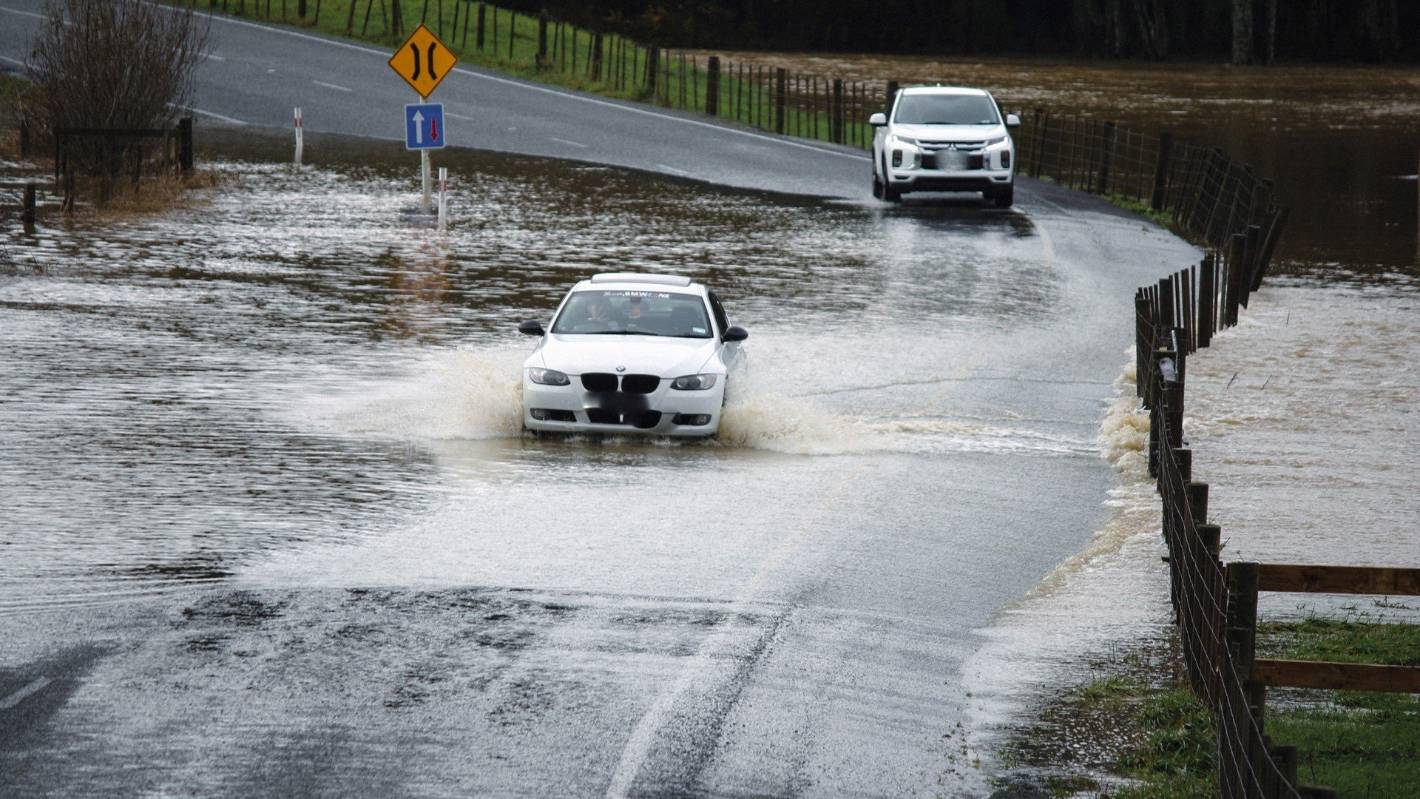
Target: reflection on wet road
(265, 450)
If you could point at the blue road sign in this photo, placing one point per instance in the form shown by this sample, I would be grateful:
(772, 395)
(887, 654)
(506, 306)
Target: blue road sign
(424, 126)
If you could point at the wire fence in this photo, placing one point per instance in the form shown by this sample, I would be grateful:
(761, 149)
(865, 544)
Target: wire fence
(1206, 193)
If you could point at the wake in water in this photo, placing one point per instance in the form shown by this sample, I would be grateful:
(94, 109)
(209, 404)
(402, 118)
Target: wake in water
(473, 395)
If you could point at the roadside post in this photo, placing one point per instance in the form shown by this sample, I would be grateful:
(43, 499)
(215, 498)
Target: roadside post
(443, 198)
(300, 134)
(423, 61)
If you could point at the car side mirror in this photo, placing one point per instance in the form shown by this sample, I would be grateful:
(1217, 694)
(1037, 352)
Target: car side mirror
(1013, 121)
(735, 333)
(531, 327)
(878, 120)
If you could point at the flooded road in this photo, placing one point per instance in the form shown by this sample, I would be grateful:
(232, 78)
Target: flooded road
(271, 521)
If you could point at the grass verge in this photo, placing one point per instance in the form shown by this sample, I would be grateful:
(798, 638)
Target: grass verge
(1361, 744)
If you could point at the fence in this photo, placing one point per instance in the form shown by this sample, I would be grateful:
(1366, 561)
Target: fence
(1215, 605)
(109, 153)
(1205, 192)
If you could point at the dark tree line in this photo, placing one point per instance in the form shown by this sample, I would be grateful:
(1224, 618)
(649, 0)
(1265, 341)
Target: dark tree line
(1244, 31)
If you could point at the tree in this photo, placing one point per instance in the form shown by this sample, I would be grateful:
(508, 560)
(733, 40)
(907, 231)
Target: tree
(115, 63)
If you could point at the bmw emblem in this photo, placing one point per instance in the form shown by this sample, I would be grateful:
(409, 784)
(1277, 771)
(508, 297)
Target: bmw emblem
(621, 368)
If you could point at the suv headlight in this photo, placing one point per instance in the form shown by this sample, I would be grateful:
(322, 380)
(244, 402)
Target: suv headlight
(995, 141)
(547, 377)
(693, 382)
(900, 139)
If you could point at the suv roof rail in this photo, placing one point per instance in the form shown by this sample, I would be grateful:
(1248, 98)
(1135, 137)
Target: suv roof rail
(635, 277)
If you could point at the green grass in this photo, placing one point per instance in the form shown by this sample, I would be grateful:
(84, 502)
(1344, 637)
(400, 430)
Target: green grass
(1172, 747)
(1141, 208)
(1362, 744)
(510, 45)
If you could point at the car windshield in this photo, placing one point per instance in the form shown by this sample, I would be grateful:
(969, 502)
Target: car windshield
(631, 312)
(946, 109)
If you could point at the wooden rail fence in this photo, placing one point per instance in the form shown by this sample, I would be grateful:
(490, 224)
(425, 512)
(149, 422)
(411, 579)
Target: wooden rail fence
(109, 153)
(1215, 604)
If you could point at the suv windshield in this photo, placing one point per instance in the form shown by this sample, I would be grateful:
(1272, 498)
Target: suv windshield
(946, 109)
(634, 313)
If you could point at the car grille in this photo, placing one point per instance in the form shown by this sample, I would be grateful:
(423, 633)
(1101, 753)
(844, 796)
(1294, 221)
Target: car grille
(953, 160)
(642, 420)
(631, 384)
(640, 384)
(599, 381)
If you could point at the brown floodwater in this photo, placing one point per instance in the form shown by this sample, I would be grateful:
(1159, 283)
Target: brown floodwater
(1341, 142)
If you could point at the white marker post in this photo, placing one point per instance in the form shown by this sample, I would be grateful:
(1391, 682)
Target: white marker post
(443, 198)
(300, 135)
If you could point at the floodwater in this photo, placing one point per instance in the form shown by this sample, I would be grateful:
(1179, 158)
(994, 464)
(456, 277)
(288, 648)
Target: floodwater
(298, 359)
(1339, 141)
(263, 452)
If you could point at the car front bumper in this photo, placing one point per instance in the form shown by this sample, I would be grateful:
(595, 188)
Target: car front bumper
(573, 409)
(918, 179)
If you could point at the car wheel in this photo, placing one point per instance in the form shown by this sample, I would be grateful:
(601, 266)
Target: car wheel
(877, 187)
(889, 193)
(1005, 197)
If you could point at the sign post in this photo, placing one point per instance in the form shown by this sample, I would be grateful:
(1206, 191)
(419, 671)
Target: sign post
(423, 62)
(300, 138)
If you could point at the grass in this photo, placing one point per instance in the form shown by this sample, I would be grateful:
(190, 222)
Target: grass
(510, 45)
(1361, 744)
(1170, 749)
(1144, 209)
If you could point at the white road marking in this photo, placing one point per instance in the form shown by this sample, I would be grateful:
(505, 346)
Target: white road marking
(567, 142)
(452, 115)
(629, 109)
(331, 86)
(672, 169)
(22, 13)
(215, 115)
(212, 114)
(37, 684)
(15, 61)
(215, 57)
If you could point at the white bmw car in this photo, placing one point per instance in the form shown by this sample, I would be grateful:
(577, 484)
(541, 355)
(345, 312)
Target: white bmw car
(632, 353)
(943, 138)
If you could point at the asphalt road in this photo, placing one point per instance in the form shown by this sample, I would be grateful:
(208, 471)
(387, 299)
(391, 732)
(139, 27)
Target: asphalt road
(257, 75)
(805, 639)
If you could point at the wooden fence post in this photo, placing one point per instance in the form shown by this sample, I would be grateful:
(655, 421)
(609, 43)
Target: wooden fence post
(653, 66)
(1106, 158)
(596, 66)
(1161, 171)
(712, 85)
(892, 87)
(27, 214)
(1207, 298)
(1237, 249)
(541, 60)
(835, 123)
(780, 98)
(185, 145)
(478, 30)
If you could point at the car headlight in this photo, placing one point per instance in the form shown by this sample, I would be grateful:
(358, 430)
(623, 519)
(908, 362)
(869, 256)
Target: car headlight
(896, 139)
(995, 141)
(693, 382)
(547, 377)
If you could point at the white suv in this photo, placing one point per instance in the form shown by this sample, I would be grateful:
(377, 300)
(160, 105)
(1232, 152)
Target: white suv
(942, 138)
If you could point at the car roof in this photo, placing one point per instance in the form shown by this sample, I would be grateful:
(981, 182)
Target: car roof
(636, 280)
(943, 90)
